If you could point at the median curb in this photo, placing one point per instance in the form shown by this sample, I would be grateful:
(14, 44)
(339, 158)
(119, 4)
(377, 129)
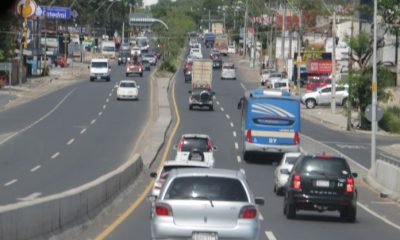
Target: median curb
(27, 220)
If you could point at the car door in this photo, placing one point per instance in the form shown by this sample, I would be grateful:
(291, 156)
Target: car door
(324, 96)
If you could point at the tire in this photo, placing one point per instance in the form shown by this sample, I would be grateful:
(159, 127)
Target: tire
(279, 191)
(290, 210)
(262, 83)
(126, 74)
(91, 79)
(349, 214)
(310, 103)
(141, 74)
(190, 107)
(108, 79)
(211, 108)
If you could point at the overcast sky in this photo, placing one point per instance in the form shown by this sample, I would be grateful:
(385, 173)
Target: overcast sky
(149, 2)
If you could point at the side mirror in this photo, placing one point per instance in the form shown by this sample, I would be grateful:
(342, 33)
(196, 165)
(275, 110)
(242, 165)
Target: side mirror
(259, 201)
(153, 174)
(355, 175)
(285, 171)
(152, 198)
(175, 147)
(190, 91)
(215, 148)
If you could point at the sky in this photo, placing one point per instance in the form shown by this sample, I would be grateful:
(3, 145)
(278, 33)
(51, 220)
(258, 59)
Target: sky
(149, 2)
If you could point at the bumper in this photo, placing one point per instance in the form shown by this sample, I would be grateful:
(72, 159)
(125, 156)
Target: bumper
(134, 72)
(327, 202)
(120, 96)
(271, 148)
(201, 104)
(164, 228)
(230, 76)
(104, 77)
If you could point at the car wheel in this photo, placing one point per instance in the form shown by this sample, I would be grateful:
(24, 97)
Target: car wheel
(290, 211)
(274, 188)
(279, 191)
(211, 108)
(349, 214)
(108, 79)
(92, 79)
(126, 74)
(190, 107)
(310, 103)
(262, 83)
(141, 74)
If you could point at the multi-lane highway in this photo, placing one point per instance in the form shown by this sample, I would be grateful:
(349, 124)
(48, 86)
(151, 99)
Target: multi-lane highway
(223, 125)
(67, 138)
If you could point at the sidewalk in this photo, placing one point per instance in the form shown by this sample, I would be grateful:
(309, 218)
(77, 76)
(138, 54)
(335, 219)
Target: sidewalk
(11, 96)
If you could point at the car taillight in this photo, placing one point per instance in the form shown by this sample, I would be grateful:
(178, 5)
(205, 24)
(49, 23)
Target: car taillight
(296, 139)
(350, 184)
(180, 144)
(127, 69)
(209, 145)
(163, 210)
(248, 212)
(296, 182)
(248, 136)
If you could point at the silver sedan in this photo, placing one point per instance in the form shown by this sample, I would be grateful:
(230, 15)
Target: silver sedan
(205, 204)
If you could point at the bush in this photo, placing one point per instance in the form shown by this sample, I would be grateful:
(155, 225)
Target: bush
(391, 120)
(168, 65)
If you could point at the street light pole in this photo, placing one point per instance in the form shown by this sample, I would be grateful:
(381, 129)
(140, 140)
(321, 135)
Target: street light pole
(333, 88)
(245, 31)
(374, 88)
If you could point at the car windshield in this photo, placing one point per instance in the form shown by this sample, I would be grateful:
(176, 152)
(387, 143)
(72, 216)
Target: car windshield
(109, 49)
(199, 144)
(128, 84)
(208, 187)
(99, 64)
(276, 75)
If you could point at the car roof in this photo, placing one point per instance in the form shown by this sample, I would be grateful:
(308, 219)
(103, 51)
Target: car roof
(127, 81)
(212, 172)
(99, 60)
(204, 164)
(195, 135)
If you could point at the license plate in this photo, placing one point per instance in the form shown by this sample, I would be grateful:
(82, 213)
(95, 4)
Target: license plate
(322, 183)
(98, 77)
(204, 236)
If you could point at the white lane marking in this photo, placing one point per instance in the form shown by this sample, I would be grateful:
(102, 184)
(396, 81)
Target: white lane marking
(373, 213)
(239, 159)
(104, 106)
(236, 145)
(35, 168)
(107, 100)
(100, 113)
(270, 235)
(227, 116)
(10, 182)
(93, 121)
(70, 141)
(110, 94)
(234, 133)
(232, 124)
(217, 102)
(260, 216)
(83, 131)
(30, 197)
(39, 120)
(55, 155)
(241, 84)
(222, 109)
(242, 170)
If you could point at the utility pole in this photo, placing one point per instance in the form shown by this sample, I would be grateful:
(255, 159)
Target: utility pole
(333, 88)
(350, 67)
(209, 20)
(123, 32)
(283, 33)
(374, 89)
(245, 31)
(299, 58)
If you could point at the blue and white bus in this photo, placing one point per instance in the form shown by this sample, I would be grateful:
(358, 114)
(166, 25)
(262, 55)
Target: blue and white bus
(270, 121)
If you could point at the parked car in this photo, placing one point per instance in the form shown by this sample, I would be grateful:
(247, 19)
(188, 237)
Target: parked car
(134, 67)
(321, 183)
(314, 82)
(282, 84)
(282, 171)
(195, 146)
(265, 73)
(163, 173)
(228, 71)
(322, 96)
(127, 89)
(206, 204)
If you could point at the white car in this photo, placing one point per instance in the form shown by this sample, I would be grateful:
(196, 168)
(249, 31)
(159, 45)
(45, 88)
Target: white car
(136, 51)
(232, 48)
(228, 71)
(162, 174)
(127, 89)
(196, 53)
(195, 147)
(322, 96)
(281, 173)
(265, 73)
(282, 84)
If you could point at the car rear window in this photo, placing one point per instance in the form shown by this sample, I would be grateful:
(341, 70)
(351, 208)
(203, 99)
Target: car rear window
(190, 144)
(330, 165)
(128, 84)
(207, 188)
(229, 66)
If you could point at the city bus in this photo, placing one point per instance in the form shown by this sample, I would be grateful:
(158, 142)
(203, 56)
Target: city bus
(270, 121)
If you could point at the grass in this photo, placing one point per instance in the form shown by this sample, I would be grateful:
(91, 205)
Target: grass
(391, 120)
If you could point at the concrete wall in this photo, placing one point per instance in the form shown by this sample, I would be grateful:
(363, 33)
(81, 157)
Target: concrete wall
(26, 220)
(387, 179)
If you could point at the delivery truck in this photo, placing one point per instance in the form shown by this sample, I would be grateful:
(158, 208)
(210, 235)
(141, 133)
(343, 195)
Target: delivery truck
(201, 94)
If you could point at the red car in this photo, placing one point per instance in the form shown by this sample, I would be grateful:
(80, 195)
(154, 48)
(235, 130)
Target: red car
(134, 68)
(314, 82)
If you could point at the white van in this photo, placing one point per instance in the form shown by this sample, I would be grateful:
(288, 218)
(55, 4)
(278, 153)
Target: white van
(100, 68)
(282, 84)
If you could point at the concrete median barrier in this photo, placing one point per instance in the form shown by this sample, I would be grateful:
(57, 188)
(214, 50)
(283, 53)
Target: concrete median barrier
(386, 179)
(27, 220)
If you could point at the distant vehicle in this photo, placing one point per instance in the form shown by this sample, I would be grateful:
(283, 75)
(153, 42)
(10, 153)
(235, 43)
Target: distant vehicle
(124, 56)
(314, 82)
(136, 51)
(206, 203)
(217, 62)
(187, 71)
(321, 183)
(152, 58)
(201, 94)
(143, 43)
(282, 84)
(100, 68)
(162, 175)
(125, 47)
(265, 73)
(107, 49)
(221, 43)
(282, 171)
(322, 96)
(231, 49)
(273, 77)
(127, 89)
(193, 42)
(215, 53)
(270, 121)
(228, 71)
(209, 39)
(191, 146)
(134, 67)
(146, 65)
(196, 53)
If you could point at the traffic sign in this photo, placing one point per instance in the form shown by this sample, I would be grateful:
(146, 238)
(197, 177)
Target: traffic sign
(368, 113)
(26, 8)
(54, 12)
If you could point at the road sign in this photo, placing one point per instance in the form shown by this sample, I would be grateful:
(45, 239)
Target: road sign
(26, 8)
(368, 113)
(54, 12)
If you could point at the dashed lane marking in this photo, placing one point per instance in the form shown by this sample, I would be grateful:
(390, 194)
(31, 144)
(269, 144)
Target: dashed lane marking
(107, 100)
(217, 102)
(270, 235)
(236, 145)
(244, 88)
(104, 106)
(93, 121)
(10, 182)
(227, 116)
(55, 155)
(239, 159)
(110, 94)
(234, 133)
(83, 131)
(222, 109)
(242, 170)
(232, 124)
(100, 113)
(70, 141)
(30, 197)
(260, 216)
(35, 168)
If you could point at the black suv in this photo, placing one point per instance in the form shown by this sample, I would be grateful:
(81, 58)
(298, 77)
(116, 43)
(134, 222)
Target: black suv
(321, 183)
